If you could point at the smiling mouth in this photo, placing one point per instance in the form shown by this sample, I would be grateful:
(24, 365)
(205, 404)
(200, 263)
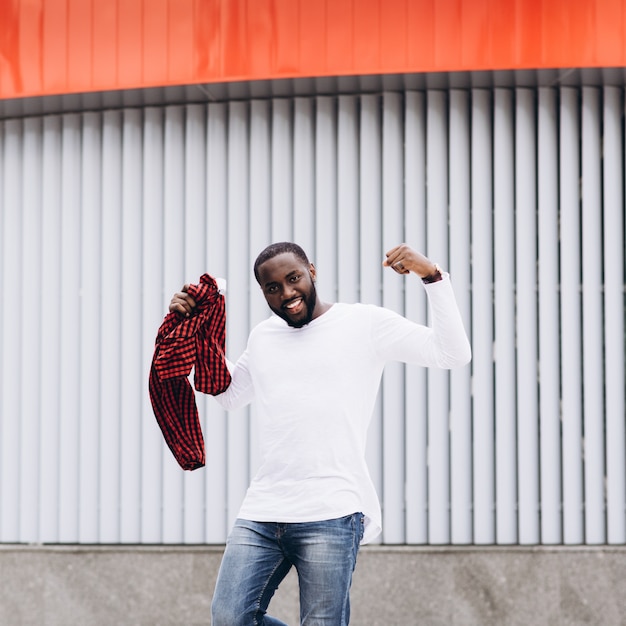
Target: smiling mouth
(295, 306)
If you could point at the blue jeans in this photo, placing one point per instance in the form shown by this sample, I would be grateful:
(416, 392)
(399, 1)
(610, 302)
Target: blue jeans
(258, 556)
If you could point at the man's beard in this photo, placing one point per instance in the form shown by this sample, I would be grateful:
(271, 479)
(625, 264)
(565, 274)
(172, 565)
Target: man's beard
(309, 301)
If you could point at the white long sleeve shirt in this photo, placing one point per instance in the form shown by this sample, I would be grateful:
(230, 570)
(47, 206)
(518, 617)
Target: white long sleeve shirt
(315, 389)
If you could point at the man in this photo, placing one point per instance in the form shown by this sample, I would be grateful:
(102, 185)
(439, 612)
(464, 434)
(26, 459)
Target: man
(314, 369)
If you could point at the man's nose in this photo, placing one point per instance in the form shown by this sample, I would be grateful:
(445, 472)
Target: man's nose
(288, 291)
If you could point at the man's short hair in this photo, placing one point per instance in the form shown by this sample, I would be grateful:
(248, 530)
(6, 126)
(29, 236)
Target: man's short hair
(275, 249)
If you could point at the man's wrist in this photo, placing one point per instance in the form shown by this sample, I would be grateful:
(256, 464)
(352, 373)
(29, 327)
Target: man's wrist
(435, 276)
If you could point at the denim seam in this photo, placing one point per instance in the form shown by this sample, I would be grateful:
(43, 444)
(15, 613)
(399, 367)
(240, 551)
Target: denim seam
(355, 550)
(258, 601)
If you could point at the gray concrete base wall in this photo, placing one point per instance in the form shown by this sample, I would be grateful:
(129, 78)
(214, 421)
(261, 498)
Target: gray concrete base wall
(403, 586)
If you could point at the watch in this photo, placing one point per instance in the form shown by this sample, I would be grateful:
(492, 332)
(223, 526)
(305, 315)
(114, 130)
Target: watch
(436, 276)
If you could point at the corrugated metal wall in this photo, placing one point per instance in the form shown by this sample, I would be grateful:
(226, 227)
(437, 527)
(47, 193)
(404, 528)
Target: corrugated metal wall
(519, 193)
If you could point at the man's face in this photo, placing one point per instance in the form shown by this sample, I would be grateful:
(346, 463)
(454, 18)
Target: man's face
(289, 288)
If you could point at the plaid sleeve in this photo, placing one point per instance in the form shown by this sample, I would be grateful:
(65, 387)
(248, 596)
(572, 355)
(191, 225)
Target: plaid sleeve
(174, 407)
(211, 373)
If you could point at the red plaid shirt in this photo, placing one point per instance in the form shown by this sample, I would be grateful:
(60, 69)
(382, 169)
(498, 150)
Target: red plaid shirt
(182, 343)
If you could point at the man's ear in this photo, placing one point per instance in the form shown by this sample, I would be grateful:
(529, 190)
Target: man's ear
(313, 272)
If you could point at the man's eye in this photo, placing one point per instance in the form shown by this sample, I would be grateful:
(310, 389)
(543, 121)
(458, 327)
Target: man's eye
(271, 289)
(295, 278)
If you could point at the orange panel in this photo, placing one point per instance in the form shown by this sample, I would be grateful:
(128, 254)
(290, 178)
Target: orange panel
(54, 45)
(234, 42)
(526, 47)
(367, 43)
(340, 42)
(287, 42)
(208, 38)
(448, 31)
(69, 46)
(476, 20)
(104, 42)
(130, 43)
(79, 47)
(180, 44)
(312, 37)
(394, 32)
(10, 69)
(30, 45)
(155, 43)
(421, 34)
(260, 35)
(609, 22)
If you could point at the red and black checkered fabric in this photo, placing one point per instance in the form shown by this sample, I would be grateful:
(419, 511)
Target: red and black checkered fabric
(182, 343)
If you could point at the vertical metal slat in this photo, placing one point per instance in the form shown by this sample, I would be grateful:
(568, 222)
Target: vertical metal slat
(110, 348)
(482, 320)
(132, 372)
(416, 446)
(613, 246)
(393, 377)
(90, 328)
(370, 248)
(12, 350)
(504, 315)
(570, 322)
(216, 258)
(593, 383)
(549, 407)
(438, 380)
(31, 314)
(526, 317)
(152, 448)
(50, 373)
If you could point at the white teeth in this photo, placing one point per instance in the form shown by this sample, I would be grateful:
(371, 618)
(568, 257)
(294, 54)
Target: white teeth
(293, 305)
